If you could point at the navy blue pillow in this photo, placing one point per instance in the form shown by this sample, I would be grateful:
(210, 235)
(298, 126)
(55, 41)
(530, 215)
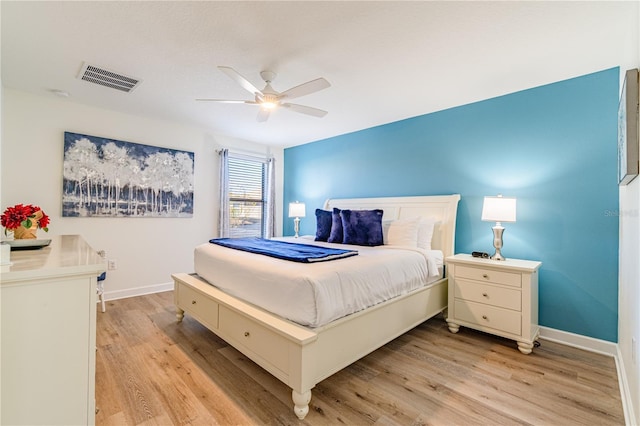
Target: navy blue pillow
(336, 227)
(362, 227)
(323, 224)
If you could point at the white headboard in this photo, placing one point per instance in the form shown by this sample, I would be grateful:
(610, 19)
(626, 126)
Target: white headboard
(442, 208)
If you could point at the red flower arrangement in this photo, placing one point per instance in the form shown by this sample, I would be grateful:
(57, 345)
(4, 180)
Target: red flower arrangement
(21, 215)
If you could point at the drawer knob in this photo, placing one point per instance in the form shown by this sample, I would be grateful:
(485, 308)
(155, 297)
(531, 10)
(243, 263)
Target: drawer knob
(247, 334)
(193, 302)
(485, 295)
(484, 317)
(485, 276)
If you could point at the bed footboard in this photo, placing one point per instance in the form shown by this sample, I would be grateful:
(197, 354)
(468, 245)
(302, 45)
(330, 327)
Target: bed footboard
(299, 356)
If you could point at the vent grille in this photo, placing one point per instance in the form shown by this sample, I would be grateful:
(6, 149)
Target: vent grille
(104, 77)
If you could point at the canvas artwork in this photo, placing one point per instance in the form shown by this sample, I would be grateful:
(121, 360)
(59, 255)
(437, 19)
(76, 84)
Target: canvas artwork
(111, 178)
(628, 127)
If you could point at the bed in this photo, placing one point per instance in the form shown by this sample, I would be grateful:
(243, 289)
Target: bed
(302, 356)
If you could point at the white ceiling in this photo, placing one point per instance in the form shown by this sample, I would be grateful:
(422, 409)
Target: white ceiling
(386, 61)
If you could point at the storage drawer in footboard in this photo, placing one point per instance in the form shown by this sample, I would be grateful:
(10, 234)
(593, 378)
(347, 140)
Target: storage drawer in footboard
(267, 344)
(202, 307)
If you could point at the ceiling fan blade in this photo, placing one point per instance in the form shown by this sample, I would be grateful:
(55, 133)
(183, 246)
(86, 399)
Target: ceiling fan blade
(227, 101)
(305, 88)
(263, 115)
(305, 109)
(241, 80)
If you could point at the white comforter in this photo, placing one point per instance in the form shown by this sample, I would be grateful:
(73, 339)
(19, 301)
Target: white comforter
(316, 294)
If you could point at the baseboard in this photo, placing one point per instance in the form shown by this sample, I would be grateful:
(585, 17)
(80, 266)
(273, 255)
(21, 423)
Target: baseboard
(627, 403)
(599, 346)
(578, 341)
(138, 291)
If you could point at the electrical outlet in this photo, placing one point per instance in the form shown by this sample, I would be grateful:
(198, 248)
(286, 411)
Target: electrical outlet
(634, 350)
(112, 264)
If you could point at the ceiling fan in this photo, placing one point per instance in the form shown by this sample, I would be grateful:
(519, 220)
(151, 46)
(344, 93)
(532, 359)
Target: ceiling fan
(268, 99)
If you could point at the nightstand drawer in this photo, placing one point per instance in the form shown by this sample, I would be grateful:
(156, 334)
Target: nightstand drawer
(489, 294)
(489, 275)
(489, 316)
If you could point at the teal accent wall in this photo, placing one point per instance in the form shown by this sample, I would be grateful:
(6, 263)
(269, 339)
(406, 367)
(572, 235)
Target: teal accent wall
(552, 147)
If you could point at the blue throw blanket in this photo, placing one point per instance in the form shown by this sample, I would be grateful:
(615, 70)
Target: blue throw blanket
(304, 253)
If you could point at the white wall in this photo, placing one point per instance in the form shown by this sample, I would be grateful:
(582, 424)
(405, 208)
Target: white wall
(629, 291)
(629, 272)
(147, 250)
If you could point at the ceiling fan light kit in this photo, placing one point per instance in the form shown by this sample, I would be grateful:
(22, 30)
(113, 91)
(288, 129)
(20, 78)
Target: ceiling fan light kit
(269, 99)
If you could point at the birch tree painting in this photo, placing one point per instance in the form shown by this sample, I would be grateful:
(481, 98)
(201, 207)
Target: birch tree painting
(110, 178)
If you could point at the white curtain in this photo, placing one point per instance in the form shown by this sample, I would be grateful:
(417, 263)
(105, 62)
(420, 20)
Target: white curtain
(270, 199)
(223, 223)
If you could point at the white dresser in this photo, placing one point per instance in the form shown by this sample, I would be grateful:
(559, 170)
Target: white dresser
(48, 340)
(498, 297)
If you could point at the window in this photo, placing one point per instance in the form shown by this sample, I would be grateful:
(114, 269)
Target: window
(247, 196)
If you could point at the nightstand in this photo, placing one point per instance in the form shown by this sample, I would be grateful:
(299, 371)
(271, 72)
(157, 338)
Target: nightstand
(497, 297)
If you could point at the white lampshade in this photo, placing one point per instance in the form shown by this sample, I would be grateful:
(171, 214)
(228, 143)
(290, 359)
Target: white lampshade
(499, 209)
(297, 209)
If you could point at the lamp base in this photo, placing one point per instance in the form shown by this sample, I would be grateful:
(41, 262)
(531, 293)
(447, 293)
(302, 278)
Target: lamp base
(296, 226)
(497, 256)
(497, 242)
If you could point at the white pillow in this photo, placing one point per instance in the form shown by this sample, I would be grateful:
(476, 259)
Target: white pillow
(385, 231)
(425, 233)
(403, 232)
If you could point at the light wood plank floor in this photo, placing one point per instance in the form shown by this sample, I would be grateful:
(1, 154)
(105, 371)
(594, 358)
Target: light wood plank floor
(152, 370)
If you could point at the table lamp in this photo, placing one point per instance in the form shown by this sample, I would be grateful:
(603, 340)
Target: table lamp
(296, 210)
(498, 209)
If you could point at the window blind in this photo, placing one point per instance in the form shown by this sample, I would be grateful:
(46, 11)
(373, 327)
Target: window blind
(246, 197)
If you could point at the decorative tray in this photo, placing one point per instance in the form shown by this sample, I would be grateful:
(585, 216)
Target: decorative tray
(27, 244)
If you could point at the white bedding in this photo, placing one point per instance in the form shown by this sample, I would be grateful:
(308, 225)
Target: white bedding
(316, 294)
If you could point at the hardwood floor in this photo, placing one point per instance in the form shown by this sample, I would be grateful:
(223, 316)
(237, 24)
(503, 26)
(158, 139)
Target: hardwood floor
(152, 370)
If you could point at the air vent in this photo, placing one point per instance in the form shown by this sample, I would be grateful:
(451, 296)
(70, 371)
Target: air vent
(103, 77)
